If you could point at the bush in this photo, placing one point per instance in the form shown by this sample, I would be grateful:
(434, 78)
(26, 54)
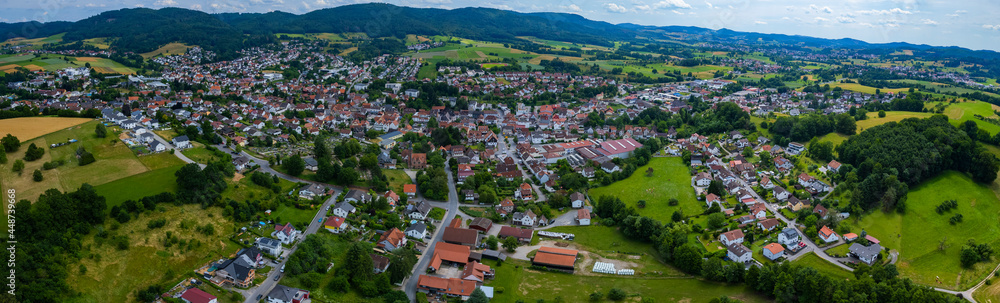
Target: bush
(153, 224)
(37, 176)
(616, 294)
(596, 296)
(338, 284)
(33, 153)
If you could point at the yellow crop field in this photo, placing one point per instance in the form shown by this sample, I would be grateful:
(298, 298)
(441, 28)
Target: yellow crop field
(33, 127)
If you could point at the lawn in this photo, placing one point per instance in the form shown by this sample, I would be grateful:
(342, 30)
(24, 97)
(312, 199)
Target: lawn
(670, 179)
(918, 234)
(840, 250)
(113, 275)
(114, 161)
(519, 283)
(988, 293)
(298, 217)
(890, 116)
(200, 154)
(33, 127)
(138, 186)
(397, 178)
(160, 160)
(609, 243)
(960, 112)
(823, 266)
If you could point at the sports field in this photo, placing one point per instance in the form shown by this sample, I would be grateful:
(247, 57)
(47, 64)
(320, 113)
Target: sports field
(670, 179)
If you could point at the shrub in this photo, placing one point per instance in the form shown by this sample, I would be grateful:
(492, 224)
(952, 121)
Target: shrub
(616, 294)
(37, 176)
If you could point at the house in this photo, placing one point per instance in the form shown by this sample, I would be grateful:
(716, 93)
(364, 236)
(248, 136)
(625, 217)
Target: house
(713, 198)
(833, 166)
(805, 179)
(335, 224)
(238, 271)
(766, 183)
(410, 190)
(343, 209)
(285, 233)
(182, 142)
(758, 211)
(522, 234)
(524, 219)
(241, 162)
(795, 204)
(416, 230)
(391, 240)
(477, 272)
(557, 258)
(773, 251)
(731, 237)
(736, 252)
(461, 236)
(577, 200)
(583, 216)
(524, 192)
(780, 193)
(867, 254)
(312, 190)
(379, 263)
(450, 253)
(820, 210)
(789, 237)
(270, 246)
(285, 294)
(850, 237)
(609, 167)
(703, 179)
(452, 287)
(311, 163)
(505, 207)
(768, 224)
(156, 146)
(195, 295)
(828, 235)
(420, 211)
(355, 195)
(417, 161)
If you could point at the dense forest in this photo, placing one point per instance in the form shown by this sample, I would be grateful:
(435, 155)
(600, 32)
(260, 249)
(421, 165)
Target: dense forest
(889, 158)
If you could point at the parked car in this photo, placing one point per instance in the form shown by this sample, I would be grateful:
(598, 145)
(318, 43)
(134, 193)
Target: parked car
(276, 277)
(259, 296)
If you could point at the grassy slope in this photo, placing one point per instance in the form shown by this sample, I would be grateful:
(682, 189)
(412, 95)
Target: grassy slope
(609, 243)
(138, 186)
(917, 234)
(823, 266)
(670, 180)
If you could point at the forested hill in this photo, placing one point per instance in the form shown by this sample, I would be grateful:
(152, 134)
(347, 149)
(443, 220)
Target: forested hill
(142, 30)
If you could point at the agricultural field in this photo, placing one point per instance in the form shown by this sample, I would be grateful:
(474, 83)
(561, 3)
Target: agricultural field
(28, 128)
(988, 293)
(35, 42)
(167, 50)
(140, 185)
(113, 275)
(670, 179)
(520, 283)
(959, 112)
(919, 234)
(51, 62)
(114, 161)
(854, 87)
(890, 116)
(101, 43)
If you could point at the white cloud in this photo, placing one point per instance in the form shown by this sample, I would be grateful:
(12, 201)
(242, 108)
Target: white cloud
(676, 12)
(709, 4)
(671, 4)
(929, 22)
(571, 7)
(821, 19)
(993, 27)
(815, 8)
(165, 3)
(885, 12)
(759, 22)
(845, 19)
(196, 6)
(615, 8)
(140, 5)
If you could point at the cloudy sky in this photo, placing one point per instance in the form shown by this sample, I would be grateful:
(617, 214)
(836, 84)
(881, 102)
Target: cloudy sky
(966, 23)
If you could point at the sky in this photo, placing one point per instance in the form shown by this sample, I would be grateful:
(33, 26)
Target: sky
(965, 23)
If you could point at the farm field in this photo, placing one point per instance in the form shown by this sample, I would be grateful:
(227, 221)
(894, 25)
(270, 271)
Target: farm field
(959, 112)
(520, 283)
(918, 233)
(28, 128)
(140, 185)
(988, 293)
(36, 41)
(167, 50)
(114, 161)
(890, 116)
(50, 62)
(670, 179)
(865, 89)
(823, 266)
(114, 275)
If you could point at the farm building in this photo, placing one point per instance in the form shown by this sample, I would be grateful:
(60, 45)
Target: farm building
(557, 258)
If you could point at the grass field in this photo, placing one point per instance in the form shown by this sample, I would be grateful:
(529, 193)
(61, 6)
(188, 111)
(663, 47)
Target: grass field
(33, 127)
(670, 180)
(113, 275)
(200, 155)
(865, 89)
(890, 116)
(397, 177)
(167, 50)
(160, 160)
(520, 283)
(298, 217)
(609, 243)
(36, 41)
(918, 233)
(959, 112)
(51, 62)
(988, 293)
(823, 266)
(140, 185)
(114, 161)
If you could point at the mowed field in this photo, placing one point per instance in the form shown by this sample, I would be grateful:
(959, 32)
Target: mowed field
(959, 112)
(892, 116)
(918, 234)
(32, 127)
(670, 179)
(114, 275)
(51, 62)
(114, 161)
(167, 50)
(823, 266)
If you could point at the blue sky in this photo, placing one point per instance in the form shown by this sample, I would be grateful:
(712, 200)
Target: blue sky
(968, 24)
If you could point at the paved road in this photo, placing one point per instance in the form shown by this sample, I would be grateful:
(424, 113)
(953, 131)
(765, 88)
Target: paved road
(410, 284)
(177, 152)
(506, 146)
(314, 226)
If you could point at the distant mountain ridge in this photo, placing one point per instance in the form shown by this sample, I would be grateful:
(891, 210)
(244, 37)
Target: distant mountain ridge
(143, 30)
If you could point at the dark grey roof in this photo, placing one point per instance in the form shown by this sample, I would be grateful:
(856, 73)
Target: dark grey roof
(865, 252)
(283, 293)
(420, 227)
